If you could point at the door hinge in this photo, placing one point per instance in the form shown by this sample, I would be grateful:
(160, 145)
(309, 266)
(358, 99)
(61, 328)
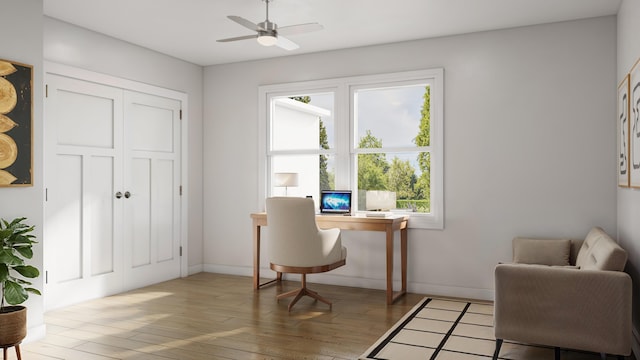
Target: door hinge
(46, 90)
(180, 250)
(180, 190)
(180, 114)
(46, 277)
(46, 194)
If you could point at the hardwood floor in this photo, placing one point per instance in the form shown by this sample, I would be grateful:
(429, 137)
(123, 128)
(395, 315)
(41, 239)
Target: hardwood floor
(213, 316)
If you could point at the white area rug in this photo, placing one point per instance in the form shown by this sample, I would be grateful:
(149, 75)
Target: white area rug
(440, 329)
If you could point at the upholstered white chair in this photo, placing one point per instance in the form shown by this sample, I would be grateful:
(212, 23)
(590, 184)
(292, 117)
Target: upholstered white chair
(296, 244)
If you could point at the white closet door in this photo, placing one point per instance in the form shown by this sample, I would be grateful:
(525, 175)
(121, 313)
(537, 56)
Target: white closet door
(83, 251)
(152, 182)
(112, 172)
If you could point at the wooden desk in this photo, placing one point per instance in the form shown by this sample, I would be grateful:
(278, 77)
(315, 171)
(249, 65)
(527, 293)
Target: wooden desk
(389, 225)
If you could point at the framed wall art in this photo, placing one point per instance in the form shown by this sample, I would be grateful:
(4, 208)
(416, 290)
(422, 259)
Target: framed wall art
(634, 126)
(623, 132)
(16, 111)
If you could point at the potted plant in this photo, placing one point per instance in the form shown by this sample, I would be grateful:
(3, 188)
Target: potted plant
(16, 242)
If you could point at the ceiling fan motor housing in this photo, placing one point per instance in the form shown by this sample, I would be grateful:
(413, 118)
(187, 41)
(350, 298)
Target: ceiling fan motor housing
(268, 26)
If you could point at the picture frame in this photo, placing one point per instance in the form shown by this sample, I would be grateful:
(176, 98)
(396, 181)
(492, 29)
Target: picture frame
(634, 126)
(623, 120)
(16, 122)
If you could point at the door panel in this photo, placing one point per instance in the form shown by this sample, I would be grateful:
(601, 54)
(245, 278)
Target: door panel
(65, 228)
(87, 120)
(141, 224)
(83, 171)
(152, 127)
(152, 157)
(99, 209)
(164, 209)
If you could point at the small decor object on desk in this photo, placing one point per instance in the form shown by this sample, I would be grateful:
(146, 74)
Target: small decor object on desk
(16, 243)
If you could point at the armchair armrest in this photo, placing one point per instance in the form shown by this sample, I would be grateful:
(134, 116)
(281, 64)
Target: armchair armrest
(564, 307)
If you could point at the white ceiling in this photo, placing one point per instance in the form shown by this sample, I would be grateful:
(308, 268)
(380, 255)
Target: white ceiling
(188, 29)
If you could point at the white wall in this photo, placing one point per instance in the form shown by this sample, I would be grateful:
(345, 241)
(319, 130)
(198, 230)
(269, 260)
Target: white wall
(70, 45)
(629, 199)
(529, 143)
(22, 42)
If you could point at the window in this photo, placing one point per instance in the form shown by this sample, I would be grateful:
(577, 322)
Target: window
(381, 132)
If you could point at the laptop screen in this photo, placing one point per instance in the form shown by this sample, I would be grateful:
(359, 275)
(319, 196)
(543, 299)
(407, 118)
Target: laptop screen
(335, 201)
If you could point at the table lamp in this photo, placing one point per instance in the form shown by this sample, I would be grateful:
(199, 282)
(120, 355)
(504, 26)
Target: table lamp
(285, 179)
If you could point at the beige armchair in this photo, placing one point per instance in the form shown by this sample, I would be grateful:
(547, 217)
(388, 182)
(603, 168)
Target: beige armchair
(565, 294)
(296, 244)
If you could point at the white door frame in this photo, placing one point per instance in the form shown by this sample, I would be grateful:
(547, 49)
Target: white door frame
(86, 75)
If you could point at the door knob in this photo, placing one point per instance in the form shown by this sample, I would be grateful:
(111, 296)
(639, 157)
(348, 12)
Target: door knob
(127, 194)
(118, 195)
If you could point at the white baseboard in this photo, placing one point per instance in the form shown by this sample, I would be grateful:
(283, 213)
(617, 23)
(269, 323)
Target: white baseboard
(35, 333)
(195, 269)
(452, 291)
(359, 282)
(232, 270)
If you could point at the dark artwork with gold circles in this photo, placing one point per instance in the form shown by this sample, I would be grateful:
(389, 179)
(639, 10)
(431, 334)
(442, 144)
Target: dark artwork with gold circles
(15, 123)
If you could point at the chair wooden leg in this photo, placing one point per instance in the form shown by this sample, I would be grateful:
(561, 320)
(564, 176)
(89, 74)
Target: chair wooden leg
(18, 352)
(299, 293)
(289, 293)
(497, 351)
(557, 353)
(4, 353)
(299, 296)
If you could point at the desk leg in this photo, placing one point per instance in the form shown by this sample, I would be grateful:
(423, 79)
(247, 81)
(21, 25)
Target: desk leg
(256, 257)
(403, 255)
(391, 296)
(389, 265)
(256, 261)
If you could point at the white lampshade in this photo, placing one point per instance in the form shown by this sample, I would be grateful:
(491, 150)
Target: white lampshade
(380, 200)
(285, 179)
(267, 40)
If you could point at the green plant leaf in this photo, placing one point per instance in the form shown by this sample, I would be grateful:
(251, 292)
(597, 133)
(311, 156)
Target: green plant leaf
(5, 233)
(14, 293)
(27, 271)
(25, 251)
(7, 257)
(33, 291)
(4, 272)
(20, 281)
(16, 243)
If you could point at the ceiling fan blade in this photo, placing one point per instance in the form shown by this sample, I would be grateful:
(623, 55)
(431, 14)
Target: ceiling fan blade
(246, 23)
(238, 38)
(286, 44)
(299, 29)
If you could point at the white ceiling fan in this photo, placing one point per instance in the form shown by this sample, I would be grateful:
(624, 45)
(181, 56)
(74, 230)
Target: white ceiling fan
(268, 33)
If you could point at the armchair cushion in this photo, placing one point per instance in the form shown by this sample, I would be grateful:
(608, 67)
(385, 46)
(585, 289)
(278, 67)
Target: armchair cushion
(600, 252)
(542, 252)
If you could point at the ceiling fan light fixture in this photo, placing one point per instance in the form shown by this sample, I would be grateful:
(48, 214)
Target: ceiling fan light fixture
(267, 31)
(267, 39)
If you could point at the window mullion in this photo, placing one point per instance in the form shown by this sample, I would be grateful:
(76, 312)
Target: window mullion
(343, 162)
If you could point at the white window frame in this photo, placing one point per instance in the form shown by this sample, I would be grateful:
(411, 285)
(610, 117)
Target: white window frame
(345, 147)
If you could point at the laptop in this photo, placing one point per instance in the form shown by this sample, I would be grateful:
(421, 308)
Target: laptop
(335, 202)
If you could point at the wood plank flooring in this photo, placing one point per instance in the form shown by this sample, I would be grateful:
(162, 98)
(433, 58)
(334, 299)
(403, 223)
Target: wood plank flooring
(213, 316)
